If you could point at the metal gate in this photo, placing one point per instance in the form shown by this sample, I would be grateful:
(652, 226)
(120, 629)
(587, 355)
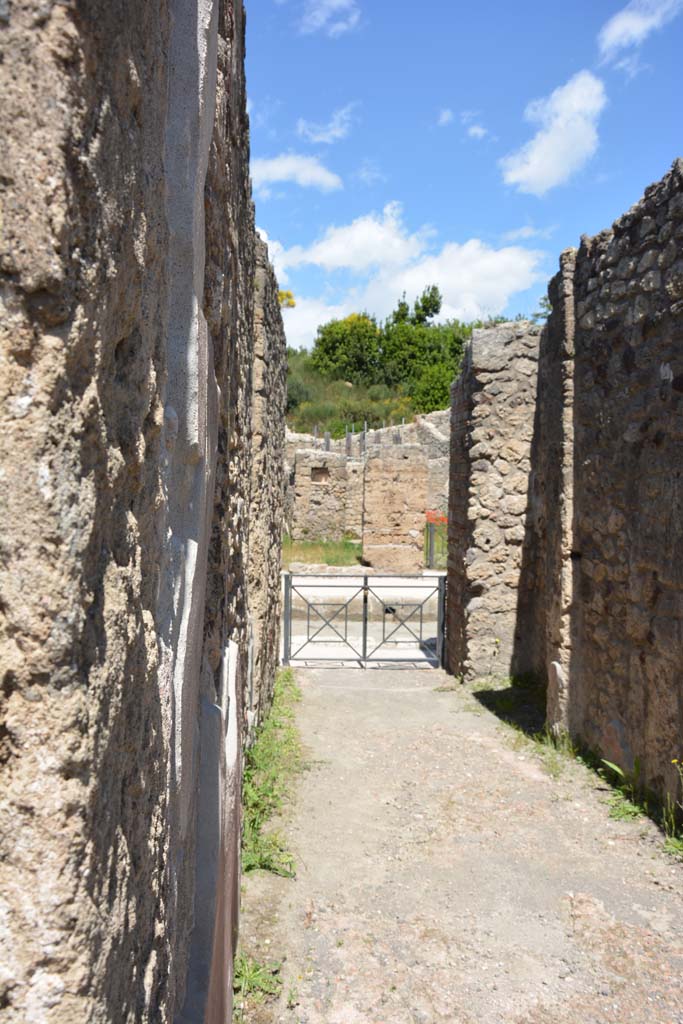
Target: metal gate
(364, 619)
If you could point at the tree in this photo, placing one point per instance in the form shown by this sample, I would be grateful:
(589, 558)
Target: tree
(544, 309)
(433, 388)
(410, 342)
(427, 306)
(348, 349)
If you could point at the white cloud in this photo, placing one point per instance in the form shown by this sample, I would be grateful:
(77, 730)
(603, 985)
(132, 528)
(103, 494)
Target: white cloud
(370, 173)
(302, 321)
(367, 242)
(476, 279)
(445, 117)
(633, 24)
(337, 128)
(470, 119)
(566, 140)
(275, 253)
(306, 171)
(334, 17)
(477, 131)
(526, 232)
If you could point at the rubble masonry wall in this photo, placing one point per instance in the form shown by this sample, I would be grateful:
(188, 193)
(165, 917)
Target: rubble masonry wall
(595, 604)
(126, 339)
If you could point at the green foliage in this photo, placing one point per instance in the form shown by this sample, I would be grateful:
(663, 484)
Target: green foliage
(432, 388)
(360, 371)
(348, 349)
(268, 767)
(544, 309)
(627, 783)
(253, 981)
(623, 809)
(320, 552)
(427, 306)
(674, 846)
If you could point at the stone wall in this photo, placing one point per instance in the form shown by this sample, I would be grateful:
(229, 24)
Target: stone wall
(329, 486)
(595, 602)
(127, 280)
(490, 515)
(395, 498)
(623, 693)
(267, 482)
(326, 496)
(549, 619)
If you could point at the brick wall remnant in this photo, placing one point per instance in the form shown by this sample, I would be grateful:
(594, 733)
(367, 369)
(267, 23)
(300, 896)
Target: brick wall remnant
(490, 531)
(126, 341)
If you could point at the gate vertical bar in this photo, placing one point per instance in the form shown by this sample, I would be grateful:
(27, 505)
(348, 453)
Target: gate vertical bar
(365, 621)
(441, 621)
(287, 625)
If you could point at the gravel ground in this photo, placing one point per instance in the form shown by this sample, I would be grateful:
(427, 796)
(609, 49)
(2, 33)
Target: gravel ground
(444, 875)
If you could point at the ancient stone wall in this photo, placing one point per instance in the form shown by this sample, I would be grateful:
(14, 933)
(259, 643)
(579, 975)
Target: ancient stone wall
(490, 526)
(326, 496)
(592, 600)
(395, 496)
(549, 618)
(127, 278)
(267, 482)
(328, 482)
(624, 694)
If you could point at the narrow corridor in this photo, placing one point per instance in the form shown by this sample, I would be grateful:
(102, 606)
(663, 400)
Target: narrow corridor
(450, 870)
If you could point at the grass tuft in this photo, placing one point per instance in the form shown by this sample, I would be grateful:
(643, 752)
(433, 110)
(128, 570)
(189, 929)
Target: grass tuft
(621, 808)
(270, 763)
(321, 552)
(253, 981)
(674, 846)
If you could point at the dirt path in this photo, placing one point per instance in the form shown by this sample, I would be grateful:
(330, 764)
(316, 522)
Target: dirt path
(445, 875)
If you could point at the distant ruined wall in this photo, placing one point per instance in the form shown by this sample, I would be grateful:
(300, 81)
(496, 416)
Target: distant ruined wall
(598, 592)
(490, 514)
(126, 280)
(325, 490)
(329, 505)
(266, 508)
(395, 498)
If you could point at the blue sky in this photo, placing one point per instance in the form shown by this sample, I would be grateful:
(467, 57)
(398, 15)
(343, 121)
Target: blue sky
(397, 145)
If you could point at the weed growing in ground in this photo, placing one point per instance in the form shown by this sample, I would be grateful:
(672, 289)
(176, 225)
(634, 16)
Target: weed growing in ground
(671, 817)
(254, 981)
(321, 552)
(292, 998)
(674, 846)
(556, 750)
(621, 808)
(270, 763)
